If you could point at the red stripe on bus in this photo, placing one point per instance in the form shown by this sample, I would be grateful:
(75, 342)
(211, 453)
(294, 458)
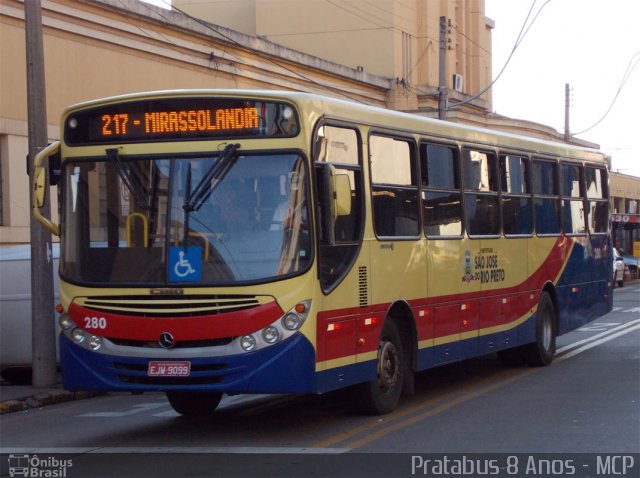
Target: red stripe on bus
(202, 327)
(465, 312)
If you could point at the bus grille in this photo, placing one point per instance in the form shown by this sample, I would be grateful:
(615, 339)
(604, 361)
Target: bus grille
(151, 344)
(169, 306)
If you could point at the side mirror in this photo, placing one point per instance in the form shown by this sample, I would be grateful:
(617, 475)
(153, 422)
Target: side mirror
(40, 184)
(341, 195)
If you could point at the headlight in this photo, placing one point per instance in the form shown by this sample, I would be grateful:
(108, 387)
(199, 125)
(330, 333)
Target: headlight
(270, 335)
(291, 321)
(283, 328)
(65, 322)
(248, 343)
(95, 342)
(79, 335)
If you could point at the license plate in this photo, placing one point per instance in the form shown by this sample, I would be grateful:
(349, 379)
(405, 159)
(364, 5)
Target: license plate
(169, 369)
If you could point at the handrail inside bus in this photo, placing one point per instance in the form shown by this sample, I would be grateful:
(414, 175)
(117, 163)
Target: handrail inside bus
(145, 227)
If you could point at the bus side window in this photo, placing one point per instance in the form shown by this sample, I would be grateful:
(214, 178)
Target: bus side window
(546, 201)
(394, 187)
(573, 212)
(442, 199)
(481, 193)
(598, 199)
(516, 195)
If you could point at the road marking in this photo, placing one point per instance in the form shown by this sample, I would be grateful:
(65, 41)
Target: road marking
(597, 336)
(385, 427)
(142, 407)
(376, 430)
(503, 377)
(598, 342)
(598, 326)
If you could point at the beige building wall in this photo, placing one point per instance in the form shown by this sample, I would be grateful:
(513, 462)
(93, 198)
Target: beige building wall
(395, 39)
(100, 48)
(624, 190)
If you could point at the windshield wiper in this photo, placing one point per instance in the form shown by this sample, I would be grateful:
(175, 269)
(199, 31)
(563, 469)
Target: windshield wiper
(211, 178)
(129, 180)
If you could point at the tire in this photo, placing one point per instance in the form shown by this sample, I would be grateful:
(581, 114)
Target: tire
(381, 396)
(540, 353)
(620, 283)
(194, 403)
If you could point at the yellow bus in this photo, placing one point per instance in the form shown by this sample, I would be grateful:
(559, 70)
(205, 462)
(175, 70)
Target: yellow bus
(258, 241)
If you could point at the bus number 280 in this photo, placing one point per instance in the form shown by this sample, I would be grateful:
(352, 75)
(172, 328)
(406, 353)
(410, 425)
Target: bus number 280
(95, 323)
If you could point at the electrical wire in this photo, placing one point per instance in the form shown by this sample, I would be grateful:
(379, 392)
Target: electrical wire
(262, 55)
(630, 67)
(519, 39)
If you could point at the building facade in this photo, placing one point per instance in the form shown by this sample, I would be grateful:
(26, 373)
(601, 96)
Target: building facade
(625, 208)
(381, 52)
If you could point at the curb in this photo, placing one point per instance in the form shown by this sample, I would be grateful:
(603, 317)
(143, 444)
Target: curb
(44, 398)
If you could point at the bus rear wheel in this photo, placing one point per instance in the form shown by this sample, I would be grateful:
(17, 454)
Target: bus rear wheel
(194, 403)
(541, 352)
(381, 396)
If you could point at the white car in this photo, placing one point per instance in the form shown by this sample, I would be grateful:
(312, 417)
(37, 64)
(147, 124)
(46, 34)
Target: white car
(618, 269)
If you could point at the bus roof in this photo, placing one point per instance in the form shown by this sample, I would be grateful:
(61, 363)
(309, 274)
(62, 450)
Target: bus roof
(376, 117)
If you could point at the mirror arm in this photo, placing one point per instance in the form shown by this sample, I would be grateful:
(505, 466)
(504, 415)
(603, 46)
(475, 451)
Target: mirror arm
(38, 187)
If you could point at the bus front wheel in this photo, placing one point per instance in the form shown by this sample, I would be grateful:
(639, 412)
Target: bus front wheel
(194, 403)
(381, 396)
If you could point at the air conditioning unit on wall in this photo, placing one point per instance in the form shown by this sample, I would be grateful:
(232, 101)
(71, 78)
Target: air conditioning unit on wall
(458, 82)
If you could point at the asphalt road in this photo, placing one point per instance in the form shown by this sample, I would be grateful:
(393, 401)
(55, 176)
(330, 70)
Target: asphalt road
(586, 404)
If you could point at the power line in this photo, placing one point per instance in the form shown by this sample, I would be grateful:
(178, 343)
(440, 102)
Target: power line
(260, 54)
(625, 77)
(519, 39)
(385, 25)
(470, 39)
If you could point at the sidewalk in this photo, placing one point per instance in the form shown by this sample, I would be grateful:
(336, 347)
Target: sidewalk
(21, 398)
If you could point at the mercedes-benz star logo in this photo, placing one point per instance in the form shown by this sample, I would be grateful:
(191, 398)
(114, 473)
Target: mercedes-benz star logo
(166, 340)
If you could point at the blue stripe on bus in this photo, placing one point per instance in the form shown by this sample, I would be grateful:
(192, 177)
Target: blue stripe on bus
(284, 367)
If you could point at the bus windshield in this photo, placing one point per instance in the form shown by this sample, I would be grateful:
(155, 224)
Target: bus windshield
(217, 219)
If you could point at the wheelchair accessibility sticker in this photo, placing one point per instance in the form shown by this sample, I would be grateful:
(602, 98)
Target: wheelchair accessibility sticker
(185, 264)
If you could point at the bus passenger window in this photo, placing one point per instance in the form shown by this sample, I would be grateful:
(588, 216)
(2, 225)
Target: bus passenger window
(546, 202)
(516, 199)
(573, 212)
(442, 200)
(394, 189)
(597, 196)
(481, 193)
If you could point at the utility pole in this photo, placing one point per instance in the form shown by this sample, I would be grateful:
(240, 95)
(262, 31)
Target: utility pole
(442, 86)
(42, 307)
(567, 104)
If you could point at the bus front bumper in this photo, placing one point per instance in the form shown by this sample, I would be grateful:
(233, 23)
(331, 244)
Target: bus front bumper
(287, 367)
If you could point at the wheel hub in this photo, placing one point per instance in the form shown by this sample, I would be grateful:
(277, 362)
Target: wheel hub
(388, 366)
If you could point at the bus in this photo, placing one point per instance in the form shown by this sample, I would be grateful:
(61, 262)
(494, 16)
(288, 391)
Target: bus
(240, 242)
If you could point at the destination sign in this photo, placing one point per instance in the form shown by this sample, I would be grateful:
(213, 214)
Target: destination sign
(180, 119)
